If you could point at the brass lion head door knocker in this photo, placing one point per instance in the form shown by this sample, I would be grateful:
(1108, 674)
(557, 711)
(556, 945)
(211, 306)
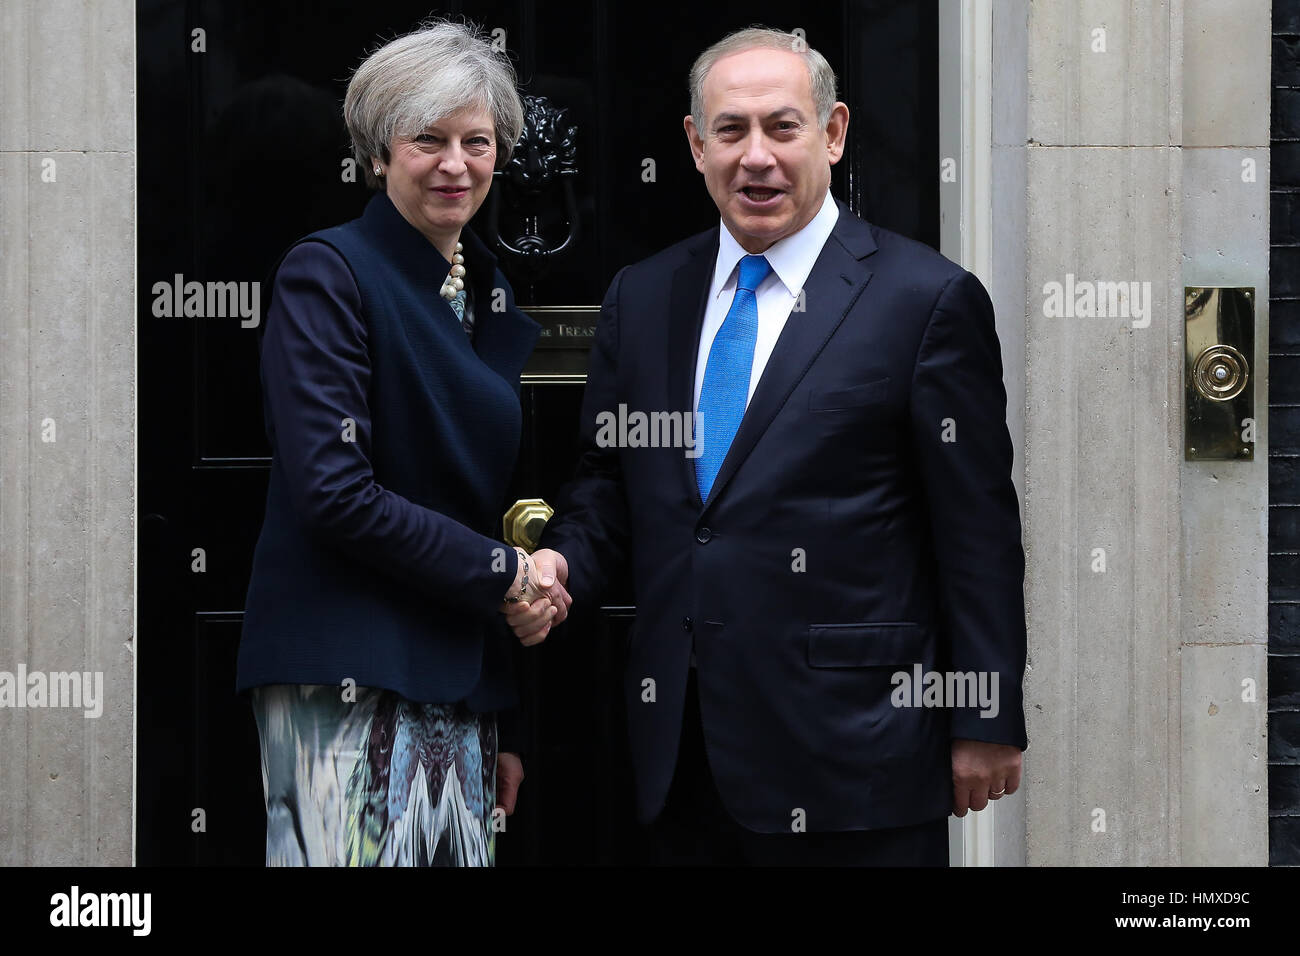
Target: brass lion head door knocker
(532, 211)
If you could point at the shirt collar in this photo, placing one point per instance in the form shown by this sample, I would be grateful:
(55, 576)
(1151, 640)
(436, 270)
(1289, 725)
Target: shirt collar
(791, 258)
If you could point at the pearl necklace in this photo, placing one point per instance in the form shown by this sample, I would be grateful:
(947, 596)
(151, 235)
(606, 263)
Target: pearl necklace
(455, 280)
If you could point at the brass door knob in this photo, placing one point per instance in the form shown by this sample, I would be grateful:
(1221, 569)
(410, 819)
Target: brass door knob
(524, 522)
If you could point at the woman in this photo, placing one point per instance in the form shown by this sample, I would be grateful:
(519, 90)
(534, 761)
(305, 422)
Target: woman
(372, 645)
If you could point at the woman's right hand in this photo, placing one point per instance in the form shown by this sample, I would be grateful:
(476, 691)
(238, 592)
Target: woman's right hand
(541, 606)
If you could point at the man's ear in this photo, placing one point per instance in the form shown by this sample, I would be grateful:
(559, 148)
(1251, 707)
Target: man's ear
(694, 141)
(837, 128)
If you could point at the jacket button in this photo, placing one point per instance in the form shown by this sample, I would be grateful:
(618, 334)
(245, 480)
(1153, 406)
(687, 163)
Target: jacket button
(703, 535)
(687, 624)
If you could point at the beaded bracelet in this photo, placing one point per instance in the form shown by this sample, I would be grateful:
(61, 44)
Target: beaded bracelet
(523, 587)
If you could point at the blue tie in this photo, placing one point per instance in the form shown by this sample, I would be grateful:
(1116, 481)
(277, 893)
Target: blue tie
(726, 376)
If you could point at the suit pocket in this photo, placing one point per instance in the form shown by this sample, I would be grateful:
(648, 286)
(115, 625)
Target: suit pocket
(855, 396)
(894, 644)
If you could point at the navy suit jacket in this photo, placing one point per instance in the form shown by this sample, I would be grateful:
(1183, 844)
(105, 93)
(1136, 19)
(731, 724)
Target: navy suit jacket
(863, 523)
(393, 443)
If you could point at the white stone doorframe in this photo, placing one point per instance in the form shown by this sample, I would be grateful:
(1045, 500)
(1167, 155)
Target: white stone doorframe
(966, 232)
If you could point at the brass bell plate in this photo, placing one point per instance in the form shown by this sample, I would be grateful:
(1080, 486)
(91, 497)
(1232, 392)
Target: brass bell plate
(1219, 374)
(524, 521)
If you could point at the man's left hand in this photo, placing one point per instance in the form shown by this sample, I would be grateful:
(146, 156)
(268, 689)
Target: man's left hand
(982, 772)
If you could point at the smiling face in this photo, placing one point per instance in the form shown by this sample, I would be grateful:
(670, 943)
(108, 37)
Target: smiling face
(438, 178)
(766, 161)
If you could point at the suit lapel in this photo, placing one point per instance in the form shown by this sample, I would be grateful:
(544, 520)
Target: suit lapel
(836, 281)
(690, 285)
(503, 340)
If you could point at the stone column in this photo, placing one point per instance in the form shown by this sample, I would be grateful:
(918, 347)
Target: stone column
(1146, 581)
(1224, 505)
(67, 429)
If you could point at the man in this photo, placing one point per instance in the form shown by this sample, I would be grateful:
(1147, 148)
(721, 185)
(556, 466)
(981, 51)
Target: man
(844, 527)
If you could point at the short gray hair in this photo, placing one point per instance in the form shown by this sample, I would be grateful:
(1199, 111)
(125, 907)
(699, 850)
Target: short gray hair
(418, 79)
(821, 77)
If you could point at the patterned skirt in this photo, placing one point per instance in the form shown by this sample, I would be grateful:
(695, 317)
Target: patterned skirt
(375, 781)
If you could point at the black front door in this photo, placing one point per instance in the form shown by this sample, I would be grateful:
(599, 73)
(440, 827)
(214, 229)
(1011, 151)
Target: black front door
(242, 150)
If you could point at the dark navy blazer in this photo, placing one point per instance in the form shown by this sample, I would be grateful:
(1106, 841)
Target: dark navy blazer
(863, 523)
(393, 442)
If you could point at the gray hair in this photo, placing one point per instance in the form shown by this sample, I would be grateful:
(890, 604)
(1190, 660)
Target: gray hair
(418, 79)
(820, 75)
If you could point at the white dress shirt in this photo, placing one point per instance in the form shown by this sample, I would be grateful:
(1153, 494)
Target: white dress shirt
(792, 259)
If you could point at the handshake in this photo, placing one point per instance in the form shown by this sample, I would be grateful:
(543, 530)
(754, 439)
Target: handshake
(542, 599)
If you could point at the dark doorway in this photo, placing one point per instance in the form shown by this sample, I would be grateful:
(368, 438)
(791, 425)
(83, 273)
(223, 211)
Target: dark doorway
(242, 150)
